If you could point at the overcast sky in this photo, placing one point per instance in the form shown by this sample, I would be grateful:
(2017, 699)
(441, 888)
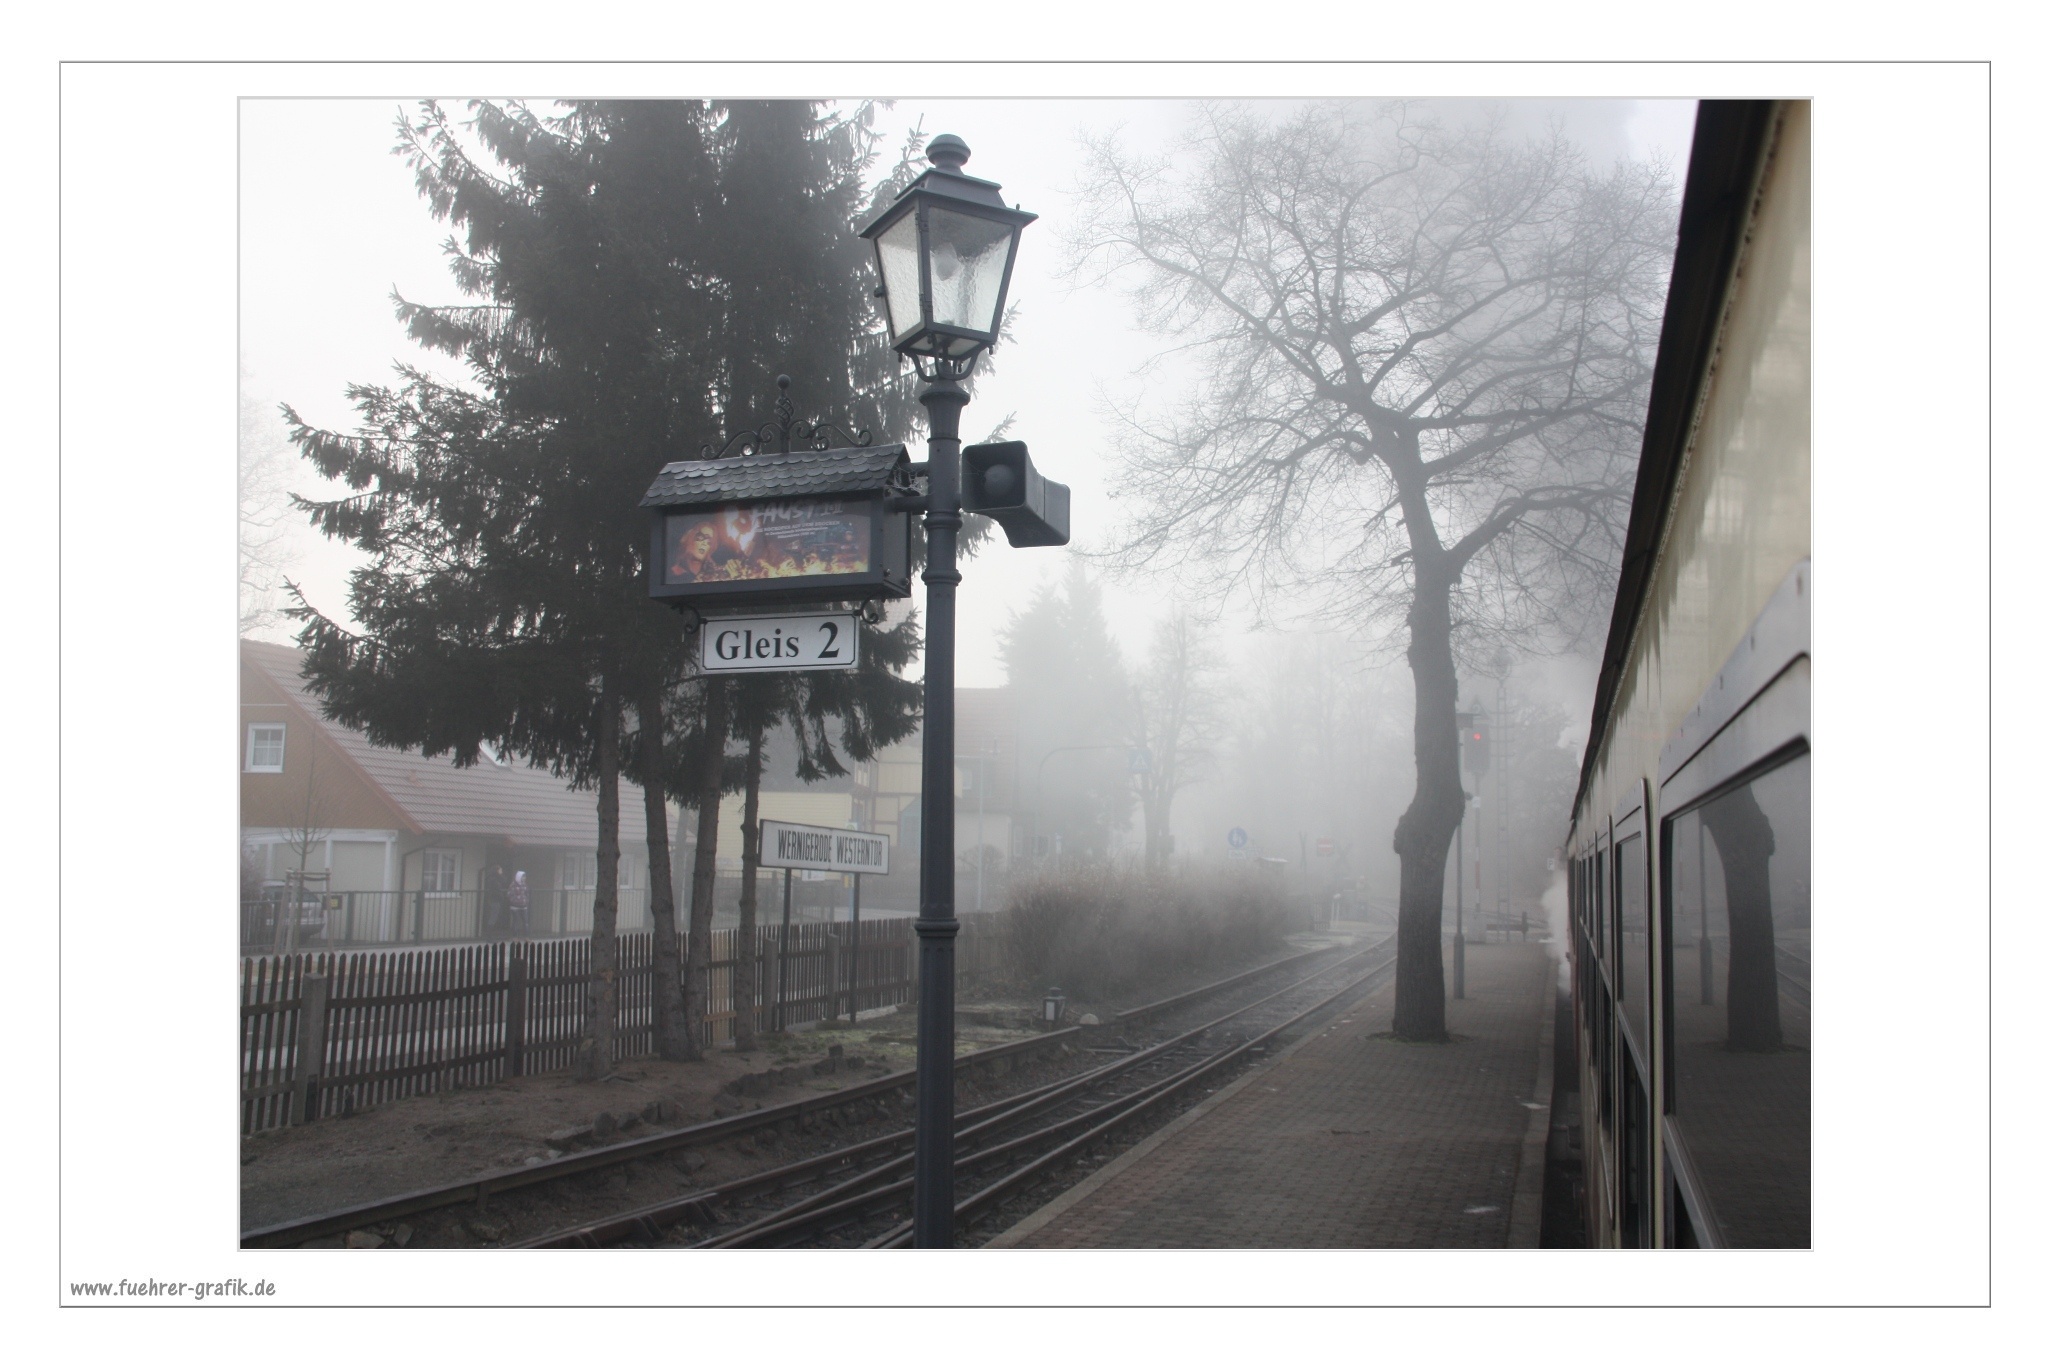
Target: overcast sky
(331, 223)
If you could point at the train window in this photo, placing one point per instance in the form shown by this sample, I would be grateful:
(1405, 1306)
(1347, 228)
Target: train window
(1739, 1006)
(1634, 1156)
(1632, 904)
(1600, 905)
(1586, 901)
(1602, 1015)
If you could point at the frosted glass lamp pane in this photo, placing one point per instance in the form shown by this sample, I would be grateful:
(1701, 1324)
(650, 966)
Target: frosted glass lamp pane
(968, 257)
(896, 249)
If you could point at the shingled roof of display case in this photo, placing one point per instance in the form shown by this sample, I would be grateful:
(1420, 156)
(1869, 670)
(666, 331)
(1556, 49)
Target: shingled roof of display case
(750, 478)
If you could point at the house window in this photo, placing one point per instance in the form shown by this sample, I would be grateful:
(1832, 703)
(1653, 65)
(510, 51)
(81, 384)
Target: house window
(579, 872)
(443, 871)
(266, 749)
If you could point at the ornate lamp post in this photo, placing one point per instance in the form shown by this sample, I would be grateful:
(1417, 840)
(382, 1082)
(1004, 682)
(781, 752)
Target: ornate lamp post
(1466, 720)
(944, 250)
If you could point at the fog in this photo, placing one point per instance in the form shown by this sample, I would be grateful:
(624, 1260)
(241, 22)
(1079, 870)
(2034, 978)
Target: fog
(1305, 743)
(1308, 751)
(332, 225)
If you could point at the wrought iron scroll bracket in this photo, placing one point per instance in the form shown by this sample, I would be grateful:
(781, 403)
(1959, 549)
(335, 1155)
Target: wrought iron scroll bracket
(786, 432)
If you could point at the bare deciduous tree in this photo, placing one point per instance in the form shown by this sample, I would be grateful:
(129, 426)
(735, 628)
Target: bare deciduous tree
(1176, 712)
(263, 459)
(1426, 351)
(309, 830)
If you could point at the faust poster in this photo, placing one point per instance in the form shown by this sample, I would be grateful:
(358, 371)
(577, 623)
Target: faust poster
(796, 538)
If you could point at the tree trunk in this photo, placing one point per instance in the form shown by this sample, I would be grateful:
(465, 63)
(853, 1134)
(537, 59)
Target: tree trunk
(669, 1033)
(704, 870)
(1743, 838)
(594, 1051)
(1158, 805)
(1423, 837)
(745, 965)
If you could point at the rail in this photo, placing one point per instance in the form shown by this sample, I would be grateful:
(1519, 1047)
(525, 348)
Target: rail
(482, 1188)
(1190, 1056)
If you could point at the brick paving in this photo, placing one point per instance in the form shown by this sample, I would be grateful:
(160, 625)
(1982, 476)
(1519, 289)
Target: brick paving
(1350, 1140)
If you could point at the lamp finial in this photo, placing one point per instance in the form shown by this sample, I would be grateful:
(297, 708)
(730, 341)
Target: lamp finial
(947, 152)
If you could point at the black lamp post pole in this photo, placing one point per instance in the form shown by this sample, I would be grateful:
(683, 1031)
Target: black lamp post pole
(932, 1194)
(1458, 942)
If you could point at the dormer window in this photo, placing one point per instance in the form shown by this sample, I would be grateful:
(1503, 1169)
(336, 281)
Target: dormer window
(265, 752)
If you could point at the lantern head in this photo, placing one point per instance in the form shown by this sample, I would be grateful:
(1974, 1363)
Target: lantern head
(944, 250)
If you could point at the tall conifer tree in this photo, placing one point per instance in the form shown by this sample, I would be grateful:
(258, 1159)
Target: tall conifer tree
(636, 270)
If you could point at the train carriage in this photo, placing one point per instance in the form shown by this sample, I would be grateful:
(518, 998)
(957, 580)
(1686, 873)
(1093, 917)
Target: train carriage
(1691, 942)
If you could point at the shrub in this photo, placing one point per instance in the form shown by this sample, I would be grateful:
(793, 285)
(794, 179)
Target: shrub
(1096, 931)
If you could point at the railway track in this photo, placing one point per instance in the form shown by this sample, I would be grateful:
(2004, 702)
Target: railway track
(542, 1194)
(1006, 1150)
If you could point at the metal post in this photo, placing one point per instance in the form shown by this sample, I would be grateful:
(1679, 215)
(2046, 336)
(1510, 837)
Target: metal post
(853, 956)
(782, 956)
(1500, 796)
(833, 952)
(932, 1183)
(1458, 943)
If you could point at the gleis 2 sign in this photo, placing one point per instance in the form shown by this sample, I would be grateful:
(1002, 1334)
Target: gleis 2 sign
(772, 644)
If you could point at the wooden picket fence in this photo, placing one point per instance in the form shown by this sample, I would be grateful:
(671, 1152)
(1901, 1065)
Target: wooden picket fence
(333, 1032)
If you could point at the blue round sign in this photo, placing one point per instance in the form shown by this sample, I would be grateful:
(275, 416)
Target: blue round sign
(1238, 838)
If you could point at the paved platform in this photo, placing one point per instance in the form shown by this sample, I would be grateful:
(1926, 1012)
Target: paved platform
(1350, 1139)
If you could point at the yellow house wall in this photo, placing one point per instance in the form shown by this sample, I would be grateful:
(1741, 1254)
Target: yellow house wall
(831, 809)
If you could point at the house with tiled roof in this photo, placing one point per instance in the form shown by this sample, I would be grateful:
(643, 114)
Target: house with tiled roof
(407, 842)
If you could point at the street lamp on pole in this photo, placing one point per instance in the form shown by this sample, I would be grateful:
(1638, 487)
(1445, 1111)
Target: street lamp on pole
(1466, 719)
(944, 250)
(1503, 847)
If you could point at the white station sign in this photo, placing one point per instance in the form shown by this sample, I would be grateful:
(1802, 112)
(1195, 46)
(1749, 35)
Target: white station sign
(772, 644)
(819, 848)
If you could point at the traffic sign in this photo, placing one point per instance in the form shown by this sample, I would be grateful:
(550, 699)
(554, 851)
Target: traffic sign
(820, 848)
(778, 644)
(1238, 838)
(1326, 848)
(1138, 760)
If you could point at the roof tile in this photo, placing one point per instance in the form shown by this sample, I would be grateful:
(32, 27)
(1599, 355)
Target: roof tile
(521, 804)
(801, 473)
